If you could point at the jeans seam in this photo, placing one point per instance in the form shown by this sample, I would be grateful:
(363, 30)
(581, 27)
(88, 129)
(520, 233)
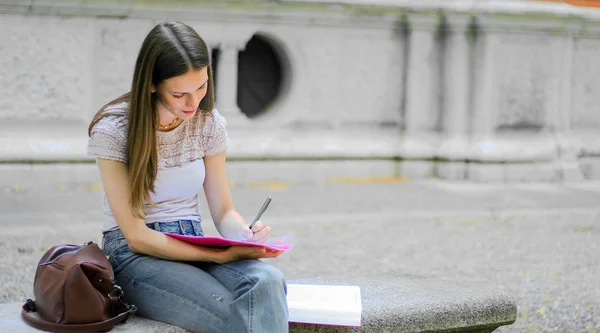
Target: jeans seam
(113, 251)
(119, 266)
(251, 299)
(117, 251)
(239, 273)
(183, 300)
(107, 240)
(251, 312)
(197, 227)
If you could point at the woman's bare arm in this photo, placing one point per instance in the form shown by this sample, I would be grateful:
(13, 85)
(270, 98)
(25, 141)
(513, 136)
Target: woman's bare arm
(216, 189)
(140, 238)
(228, 222)
(144, 240)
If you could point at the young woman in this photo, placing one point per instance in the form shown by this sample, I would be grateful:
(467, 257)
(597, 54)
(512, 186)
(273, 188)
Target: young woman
(155, 146)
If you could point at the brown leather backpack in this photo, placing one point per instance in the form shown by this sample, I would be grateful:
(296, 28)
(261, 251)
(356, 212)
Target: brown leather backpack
(75, 291)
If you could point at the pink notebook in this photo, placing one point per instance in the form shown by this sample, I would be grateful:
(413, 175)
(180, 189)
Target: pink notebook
(278, 243)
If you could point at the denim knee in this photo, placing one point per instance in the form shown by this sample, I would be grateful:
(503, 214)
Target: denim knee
(269, 276)
(271, 289)
(255, 275)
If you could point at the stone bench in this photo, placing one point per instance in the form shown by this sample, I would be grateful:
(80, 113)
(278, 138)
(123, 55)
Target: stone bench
(402, 304)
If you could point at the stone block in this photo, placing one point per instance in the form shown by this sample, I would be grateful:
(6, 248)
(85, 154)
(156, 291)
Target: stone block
(423, 88)
(567, 171)
(585, 85)
(67, 58)
(117, 43)
(48, 140)
(419, 145)
(421, 304)
(590, 168)
(238, 172)
(527, 73)
(47, 63)
(11, 322)
(417, 169)
(404, 304)
(343, 171)
(481, 172)
(360, 67)
(530, 172)
(454, 147)
(15, 6)
(113, 8)
(298, 144)
(585, 143)
(31, 175)
(451, 170)
(525, 172)
(513, 146)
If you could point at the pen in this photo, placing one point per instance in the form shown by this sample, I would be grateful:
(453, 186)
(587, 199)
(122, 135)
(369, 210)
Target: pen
(260, 212)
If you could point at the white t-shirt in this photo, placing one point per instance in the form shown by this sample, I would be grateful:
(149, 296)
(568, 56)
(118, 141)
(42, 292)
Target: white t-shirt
(181, 170)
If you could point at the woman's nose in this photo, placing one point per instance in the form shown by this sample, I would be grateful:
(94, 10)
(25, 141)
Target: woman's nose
(193, 101)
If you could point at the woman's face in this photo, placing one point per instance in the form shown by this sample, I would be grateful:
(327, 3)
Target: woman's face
(180, 96)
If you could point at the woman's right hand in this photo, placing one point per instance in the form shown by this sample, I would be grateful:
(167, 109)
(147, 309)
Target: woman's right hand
(241, 252)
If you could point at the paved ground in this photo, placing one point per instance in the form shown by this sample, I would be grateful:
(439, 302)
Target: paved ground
(538, 242)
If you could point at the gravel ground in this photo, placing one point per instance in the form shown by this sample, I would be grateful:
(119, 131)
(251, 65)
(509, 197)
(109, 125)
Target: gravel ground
(538, 242)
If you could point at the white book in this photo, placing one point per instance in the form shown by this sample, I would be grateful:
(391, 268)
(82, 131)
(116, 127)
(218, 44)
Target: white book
(324, 304)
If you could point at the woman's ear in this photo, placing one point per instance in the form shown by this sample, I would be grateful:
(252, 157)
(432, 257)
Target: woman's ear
(152, 89)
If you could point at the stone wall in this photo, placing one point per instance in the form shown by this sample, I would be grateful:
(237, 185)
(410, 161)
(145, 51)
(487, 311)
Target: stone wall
(455, 89)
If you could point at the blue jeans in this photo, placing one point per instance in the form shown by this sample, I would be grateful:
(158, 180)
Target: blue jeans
(241, 296)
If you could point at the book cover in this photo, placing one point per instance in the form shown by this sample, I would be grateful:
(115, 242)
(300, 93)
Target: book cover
(283, 243)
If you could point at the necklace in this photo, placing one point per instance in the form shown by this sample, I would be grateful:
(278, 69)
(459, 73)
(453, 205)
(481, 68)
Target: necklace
(169, 125)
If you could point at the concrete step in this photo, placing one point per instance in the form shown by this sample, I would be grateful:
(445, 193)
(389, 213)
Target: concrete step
(403, 304)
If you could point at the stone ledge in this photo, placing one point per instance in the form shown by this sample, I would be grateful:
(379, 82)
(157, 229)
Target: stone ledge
(40, 143)
(46, 143)
(591, 168)
(470, 6)
(422, 304)
(404, 304)
(11, 322)
(506, 7)
(273, 173)
(134, 8)
(498, 159)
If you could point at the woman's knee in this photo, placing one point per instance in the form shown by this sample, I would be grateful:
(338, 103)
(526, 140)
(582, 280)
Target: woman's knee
(270, 275)
(259, 269)
(261, 274)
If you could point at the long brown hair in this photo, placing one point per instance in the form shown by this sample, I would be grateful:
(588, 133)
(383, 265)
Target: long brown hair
(170, 49)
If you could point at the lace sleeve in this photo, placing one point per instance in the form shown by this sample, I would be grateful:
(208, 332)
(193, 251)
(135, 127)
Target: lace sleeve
(215, 131)
(108, 139)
